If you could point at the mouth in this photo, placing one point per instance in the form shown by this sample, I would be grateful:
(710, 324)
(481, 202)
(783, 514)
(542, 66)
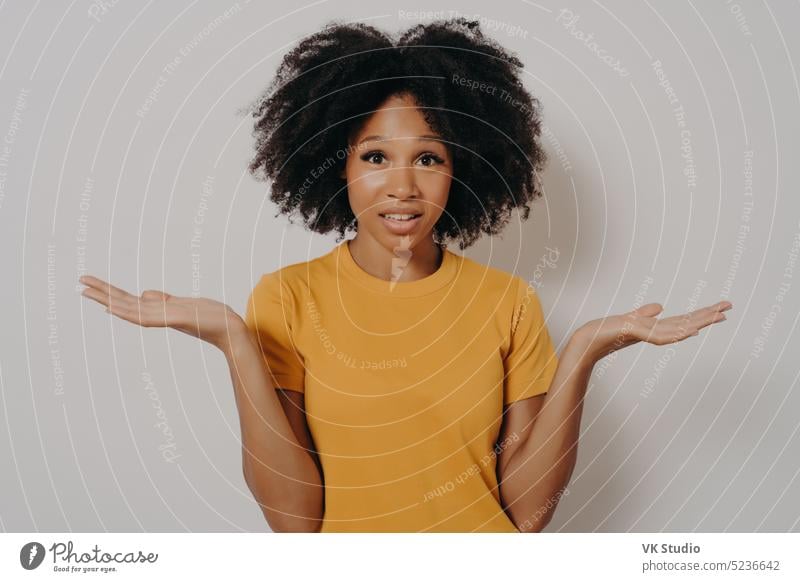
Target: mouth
(400, 223)
(399, 216)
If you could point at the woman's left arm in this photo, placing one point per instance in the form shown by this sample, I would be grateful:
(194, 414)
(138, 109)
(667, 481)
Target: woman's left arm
(535, 471)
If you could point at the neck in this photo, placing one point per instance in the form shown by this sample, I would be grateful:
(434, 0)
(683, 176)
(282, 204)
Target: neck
(403, 262)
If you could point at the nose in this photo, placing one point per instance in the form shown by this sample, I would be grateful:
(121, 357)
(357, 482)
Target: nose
(401, 183)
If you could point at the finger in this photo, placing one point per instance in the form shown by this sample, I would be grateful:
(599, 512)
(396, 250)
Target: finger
(96, 295)
(661, 331)
(662, 335)
(107, 288)
(143, 314)
(673, 331)
(104, 299)
(701, 317)
(714, 317)
(133, 316)
(716, 308)
(129, 308)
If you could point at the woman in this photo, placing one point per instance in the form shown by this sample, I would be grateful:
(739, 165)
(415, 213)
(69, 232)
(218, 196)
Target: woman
(392, 385)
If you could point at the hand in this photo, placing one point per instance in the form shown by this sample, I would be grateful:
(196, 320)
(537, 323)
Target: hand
(206, 319)
(600, 337)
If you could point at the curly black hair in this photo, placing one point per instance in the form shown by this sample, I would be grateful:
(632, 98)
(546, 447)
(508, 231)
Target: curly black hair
(466, 86)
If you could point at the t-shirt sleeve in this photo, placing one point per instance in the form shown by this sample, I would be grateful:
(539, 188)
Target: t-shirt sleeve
(531, 360)
(270, 315)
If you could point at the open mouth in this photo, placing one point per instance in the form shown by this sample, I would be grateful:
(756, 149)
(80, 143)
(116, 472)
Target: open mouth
(400, 224)
(400, 217)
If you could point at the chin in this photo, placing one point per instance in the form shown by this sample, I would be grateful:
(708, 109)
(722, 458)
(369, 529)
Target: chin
(407, 241)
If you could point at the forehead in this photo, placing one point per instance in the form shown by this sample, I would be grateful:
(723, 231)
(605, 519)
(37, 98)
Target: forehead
(397, 117)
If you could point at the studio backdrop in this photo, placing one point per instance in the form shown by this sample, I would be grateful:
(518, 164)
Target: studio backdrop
(672, 132)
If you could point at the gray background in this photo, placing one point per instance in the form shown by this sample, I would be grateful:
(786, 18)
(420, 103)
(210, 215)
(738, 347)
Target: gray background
(699, 437)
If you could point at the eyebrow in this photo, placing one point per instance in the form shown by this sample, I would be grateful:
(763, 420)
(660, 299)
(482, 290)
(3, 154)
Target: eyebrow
(426, 137)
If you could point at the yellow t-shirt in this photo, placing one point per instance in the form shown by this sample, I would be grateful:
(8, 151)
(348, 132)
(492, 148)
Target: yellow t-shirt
(405, 384)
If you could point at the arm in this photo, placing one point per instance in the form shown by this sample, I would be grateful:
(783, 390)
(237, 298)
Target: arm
(280, 466)
(534, 473)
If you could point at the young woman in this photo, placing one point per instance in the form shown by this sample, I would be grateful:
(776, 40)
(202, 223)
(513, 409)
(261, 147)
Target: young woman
(391, 384)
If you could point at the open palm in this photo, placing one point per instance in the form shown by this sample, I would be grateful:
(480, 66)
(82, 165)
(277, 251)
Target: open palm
(203, 318)
(606, 335)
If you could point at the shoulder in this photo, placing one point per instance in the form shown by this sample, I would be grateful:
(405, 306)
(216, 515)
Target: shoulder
(509, 296)
(291, 280)
(493, 281)
(277, 295)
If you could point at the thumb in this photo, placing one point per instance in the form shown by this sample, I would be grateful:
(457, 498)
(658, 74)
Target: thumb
(650, 310)
(153, 294)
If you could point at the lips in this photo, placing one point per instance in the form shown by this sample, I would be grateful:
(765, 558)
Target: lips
(400, 210)
(401, 226)
(400, 216)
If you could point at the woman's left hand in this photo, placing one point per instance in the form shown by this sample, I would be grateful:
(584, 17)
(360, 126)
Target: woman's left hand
(600, 337)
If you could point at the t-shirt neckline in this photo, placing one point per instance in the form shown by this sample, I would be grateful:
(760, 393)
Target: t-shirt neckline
(436, 280)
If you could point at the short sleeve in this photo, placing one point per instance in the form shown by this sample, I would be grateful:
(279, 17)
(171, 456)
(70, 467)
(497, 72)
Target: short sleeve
(531, 360)
(270, 315)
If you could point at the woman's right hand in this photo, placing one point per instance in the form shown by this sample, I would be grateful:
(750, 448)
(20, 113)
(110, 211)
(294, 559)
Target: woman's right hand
(206, 319)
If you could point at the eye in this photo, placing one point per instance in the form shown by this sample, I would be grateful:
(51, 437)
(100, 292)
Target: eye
(373, 157)
(430, 159)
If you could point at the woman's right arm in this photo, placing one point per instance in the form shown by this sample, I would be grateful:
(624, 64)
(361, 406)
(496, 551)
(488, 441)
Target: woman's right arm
(279, 464)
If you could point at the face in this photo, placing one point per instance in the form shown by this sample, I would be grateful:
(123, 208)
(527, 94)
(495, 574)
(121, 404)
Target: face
(398, 167)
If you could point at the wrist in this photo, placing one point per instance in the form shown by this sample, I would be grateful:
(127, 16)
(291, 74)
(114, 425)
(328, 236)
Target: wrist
(580, 348)
(236, 335)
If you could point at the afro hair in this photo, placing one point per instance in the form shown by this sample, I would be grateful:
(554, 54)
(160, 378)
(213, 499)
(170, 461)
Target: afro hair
(466, 86)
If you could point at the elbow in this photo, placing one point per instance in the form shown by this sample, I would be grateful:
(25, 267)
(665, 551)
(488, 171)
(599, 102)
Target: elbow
(298, 511)
(537, 522)
(537, 527)
(570, 470)
(291, 519)
(291, 524)
(543, 515)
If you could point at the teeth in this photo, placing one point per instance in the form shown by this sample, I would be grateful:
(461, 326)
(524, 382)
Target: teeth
(399, 216)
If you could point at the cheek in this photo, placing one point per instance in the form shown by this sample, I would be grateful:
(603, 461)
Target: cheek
(437, 189)
(361, 178)
(371, 181)
(362, 187)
